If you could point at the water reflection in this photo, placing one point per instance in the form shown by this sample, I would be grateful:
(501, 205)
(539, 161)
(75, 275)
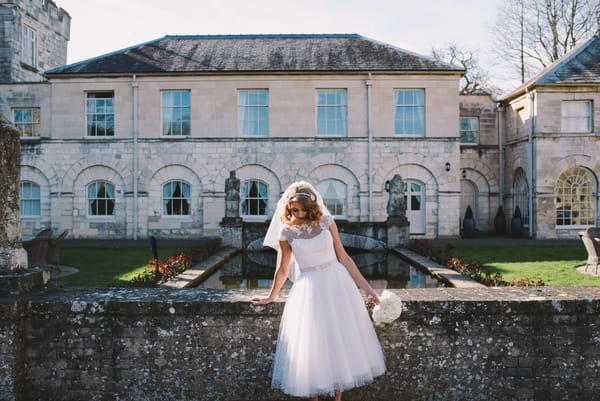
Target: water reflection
(254, 270)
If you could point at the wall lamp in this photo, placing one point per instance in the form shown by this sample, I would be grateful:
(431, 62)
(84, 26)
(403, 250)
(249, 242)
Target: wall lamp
(447, 166)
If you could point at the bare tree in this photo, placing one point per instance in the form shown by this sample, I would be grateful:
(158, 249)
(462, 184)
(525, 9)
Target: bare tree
(475, 79)
(531, 34)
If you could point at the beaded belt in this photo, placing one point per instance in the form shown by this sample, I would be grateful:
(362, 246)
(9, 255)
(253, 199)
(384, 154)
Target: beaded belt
(318, 267)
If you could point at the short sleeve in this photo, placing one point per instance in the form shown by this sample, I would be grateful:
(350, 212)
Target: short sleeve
(326, 220)
(284, 234)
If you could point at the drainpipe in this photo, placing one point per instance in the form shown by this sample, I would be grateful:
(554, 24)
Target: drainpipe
(369, 83)
(532, 163)
(134, 108)
(500, 119)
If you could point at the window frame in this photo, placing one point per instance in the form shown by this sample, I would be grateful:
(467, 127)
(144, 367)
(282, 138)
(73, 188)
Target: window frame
(342, 199)
(184, 187)
(25, 197)
(339, 111)
(28, 46)
(176, 108)
(109, 116)
(253, 116)
(471, 131)
(568, 120)
(577, 178)
(106, 199)
(32, 126)
(245, 198)
(412, 110)
(521, 195)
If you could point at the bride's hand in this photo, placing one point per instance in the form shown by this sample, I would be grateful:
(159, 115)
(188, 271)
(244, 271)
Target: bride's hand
(261, 301)
(372, 296)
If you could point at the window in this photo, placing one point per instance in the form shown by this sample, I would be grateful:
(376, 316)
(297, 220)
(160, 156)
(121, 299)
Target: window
(30, 199)
(101, 199)
(100, 114)
(176, 198)
(576, 116)
(469, 129)
(575, 194)
(27, 121)
(521, 195)
(334, 194)
(28, 46)
(332, 106)
(253, 112)
(409, 116)
(175, 109)
(254, 198)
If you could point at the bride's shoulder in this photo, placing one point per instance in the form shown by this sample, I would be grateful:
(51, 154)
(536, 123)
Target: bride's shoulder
(326, 220)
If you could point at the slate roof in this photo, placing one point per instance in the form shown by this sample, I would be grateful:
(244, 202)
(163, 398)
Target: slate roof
(256, 54)
(579, 66)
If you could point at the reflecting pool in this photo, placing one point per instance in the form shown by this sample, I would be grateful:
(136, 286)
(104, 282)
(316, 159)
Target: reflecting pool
(254, 270)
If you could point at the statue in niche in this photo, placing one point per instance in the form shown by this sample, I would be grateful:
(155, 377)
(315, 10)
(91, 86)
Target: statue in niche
(232, 196)
(396, 206)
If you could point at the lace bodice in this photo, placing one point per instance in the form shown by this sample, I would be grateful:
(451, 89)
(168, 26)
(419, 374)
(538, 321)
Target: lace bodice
(312, 245)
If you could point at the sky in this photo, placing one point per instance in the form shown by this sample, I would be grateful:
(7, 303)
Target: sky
(102, 26)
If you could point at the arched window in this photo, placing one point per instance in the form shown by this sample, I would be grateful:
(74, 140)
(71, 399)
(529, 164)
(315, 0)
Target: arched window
(101, 198)
(176, 198)
(254, 198)
(30, 199)
(335, 196)
(575, 195)
(521, 195)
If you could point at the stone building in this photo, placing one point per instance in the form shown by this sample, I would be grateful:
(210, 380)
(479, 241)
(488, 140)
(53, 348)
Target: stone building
(550, 131)
(33, 38)
(480, 150)
(140, 141)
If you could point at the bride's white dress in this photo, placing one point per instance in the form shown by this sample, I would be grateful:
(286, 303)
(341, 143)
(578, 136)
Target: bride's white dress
(326, 338)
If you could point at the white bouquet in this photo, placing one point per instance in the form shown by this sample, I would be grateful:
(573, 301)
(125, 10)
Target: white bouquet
(389, 309)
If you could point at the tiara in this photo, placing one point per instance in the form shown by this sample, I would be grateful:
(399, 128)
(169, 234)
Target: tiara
(311, 196)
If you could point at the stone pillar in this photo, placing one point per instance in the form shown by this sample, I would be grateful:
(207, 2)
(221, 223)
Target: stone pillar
(397, 232)
(13, 257)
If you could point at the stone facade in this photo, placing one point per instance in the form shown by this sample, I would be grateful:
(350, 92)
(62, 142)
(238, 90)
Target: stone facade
(158, 344)
(537, 147)
(479, 162)
(67, 161)
(51, 27)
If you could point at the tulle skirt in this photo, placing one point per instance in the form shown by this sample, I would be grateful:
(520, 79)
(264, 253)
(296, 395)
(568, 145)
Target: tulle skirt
(326, 338)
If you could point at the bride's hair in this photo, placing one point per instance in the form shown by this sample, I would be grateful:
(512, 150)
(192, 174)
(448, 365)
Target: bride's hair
(308, 200)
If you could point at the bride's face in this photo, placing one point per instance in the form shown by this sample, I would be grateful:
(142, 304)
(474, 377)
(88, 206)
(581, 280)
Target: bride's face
(298, 212)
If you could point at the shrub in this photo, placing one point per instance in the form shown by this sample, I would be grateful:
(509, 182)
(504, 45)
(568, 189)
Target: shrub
(158, 271)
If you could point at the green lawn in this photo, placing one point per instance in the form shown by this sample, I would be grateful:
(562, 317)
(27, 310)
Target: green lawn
(109, 266)
(553, 264)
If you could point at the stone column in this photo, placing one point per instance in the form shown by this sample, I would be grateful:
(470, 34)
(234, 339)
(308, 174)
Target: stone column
(13, 257)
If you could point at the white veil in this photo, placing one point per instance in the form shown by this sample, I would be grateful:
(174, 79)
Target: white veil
(274, 231)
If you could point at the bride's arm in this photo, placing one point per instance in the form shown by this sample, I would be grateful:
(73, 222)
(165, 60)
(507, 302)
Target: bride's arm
(347, 261)
(281, 274)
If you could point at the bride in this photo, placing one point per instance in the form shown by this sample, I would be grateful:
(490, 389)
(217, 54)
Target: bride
(326, 342)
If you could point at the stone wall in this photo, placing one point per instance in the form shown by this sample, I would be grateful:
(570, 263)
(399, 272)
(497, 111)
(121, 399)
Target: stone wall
(51, 25)
(160, 344)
